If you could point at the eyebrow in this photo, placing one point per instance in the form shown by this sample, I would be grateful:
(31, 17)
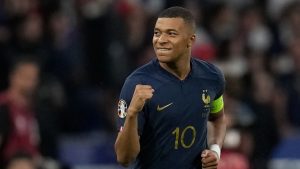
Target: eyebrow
(167, 30)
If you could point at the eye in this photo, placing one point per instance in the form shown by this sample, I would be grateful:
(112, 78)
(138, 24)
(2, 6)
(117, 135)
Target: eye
(172, 33)
(156, 33)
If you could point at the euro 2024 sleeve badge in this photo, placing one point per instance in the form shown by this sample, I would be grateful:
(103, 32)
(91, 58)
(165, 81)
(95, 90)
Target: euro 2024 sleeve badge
(122, 108)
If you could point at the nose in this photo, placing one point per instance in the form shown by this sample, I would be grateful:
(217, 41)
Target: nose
(162, 38)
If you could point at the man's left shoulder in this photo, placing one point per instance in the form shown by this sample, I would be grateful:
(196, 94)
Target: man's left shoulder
(206, 67)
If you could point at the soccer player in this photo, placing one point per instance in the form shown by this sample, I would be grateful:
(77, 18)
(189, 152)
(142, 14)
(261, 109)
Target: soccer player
(165, 105)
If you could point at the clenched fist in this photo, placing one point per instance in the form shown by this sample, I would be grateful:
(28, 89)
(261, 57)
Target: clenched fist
(141, 94)
(209, 159)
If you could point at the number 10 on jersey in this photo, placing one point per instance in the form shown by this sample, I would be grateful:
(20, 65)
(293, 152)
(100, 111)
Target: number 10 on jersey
(180, 137)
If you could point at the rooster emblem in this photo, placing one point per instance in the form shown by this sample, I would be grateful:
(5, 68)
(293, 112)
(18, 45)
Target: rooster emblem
(205, 97)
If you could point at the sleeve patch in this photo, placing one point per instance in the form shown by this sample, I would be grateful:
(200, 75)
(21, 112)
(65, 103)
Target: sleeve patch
(122, 109)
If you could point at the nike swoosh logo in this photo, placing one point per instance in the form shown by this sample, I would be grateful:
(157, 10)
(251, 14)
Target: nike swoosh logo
(162, 108)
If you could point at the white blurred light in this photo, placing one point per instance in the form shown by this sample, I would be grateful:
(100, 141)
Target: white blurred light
(232, 139)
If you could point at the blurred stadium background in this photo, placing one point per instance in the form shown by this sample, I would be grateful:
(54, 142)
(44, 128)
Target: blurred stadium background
(86, 48)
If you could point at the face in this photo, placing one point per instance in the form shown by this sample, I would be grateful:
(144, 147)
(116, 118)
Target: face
(25, 78)
(172, 39)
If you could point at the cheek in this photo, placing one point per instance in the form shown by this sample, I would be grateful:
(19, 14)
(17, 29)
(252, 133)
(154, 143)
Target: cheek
(180, 46)
(154, 40)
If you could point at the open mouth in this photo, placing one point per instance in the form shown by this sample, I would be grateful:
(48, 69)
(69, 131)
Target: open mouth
(163, 49)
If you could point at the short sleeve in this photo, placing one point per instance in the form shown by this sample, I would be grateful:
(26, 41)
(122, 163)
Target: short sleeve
(221, 84)
(123, 103)
(217, 104)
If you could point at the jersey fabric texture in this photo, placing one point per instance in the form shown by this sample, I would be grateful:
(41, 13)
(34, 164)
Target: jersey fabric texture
(173, 124)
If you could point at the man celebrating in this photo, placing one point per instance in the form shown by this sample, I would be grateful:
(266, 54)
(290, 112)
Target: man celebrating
(165, 105)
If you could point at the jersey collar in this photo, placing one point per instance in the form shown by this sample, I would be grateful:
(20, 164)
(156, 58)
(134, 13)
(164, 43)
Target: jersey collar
(170, 75)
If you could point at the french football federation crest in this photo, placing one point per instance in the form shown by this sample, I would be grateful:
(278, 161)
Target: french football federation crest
(205, 98)
(122, 109)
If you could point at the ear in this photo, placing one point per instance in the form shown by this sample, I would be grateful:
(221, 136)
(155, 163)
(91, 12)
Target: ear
(191, 41)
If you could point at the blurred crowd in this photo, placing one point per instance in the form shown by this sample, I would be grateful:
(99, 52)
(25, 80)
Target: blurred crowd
(63, 62)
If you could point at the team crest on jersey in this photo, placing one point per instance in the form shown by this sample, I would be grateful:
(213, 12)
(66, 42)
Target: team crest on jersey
(206, 103)
(122, 108)
(206, 98)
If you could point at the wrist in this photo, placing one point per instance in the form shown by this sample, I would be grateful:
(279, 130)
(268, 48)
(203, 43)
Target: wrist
(216, 148)
(131, 112)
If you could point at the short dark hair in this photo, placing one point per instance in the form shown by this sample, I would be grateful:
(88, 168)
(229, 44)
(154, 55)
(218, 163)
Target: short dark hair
(179, 12)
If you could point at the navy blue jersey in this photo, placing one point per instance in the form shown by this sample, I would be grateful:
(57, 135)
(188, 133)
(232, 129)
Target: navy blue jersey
(173, 124)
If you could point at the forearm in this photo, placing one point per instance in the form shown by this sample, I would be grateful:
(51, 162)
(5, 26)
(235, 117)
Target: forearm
(218, 130)
(127, 145)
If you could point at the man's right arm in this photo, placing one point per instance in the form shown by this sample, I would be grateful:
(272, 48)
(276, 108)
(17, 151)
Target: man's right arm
(127, 145)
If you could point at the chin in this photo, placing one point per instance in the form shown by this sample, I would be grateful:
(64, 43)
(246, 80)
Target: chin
(164, 58)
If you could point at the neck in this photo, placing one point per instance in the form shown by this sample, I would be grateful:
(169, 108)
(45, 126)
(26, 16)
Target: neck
(180, 69)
